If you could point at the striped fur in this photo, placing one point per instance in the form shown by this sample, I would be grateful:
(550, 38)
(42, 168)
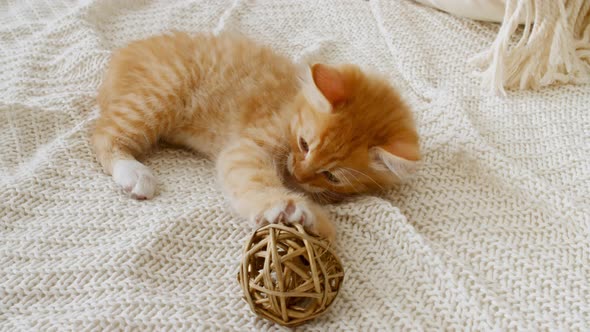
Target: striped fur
(253, 112)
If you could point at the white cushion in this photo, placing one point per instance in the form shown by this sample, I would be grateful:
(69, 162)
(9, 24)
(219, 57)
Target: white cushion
(484, 10)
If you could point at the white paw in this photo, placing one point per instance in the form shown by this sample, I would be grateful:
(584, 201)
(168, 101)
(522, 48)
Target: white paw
(291, 211)
(135, 178)
(287, 211)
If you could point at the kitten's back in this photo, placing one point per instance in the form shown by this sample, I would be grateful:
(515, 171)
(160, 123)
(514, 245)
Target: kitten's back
(193, 90)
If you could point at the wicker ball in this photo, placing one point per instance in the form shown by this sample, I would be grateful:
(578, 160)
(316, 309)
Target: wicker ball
(289, 276)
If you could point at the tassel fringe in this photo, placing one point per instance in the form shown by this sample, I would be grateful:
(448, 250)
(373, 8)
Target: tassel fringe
(554, 46)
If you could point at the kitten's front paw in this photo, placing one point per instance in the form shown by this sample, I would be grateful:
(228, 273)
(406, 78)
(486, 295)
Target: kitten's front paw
(288, 211)
(291, 211)
(135, 178)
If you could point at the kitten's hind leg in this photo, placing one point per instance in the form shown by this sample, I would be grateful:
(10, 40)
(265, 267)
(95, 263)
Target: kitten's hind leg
(135, 178)
(117, 140)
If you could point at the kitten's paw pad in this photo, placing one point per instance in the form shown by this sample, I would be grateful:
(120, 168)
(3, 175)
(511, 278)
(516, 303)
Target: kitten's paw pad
(135, 178)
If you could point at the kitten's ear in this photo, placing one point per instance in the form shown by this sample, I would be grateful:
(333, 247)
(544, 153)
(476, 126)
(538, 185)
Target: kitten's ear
(399, 157)
(330, 82)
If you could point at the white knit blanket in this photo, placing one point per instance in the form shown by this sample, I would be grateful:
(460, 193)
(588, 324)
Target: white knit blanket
(493, 233)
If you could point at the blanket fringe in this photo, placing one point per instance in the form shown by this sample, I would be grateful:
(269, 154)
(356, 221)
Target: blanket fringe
(554, 46)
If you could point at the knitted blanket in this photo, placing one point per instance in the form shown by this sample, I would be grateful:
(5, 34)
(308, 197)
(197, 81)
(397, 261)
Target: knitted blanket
(492, 233)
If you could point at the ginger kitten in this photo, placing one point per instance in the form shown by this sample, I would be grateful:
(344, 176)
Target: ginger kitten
(263, 119)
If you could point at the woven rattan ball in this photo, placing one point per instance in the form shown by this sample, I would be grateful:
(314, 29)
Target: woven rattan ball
(289, 276)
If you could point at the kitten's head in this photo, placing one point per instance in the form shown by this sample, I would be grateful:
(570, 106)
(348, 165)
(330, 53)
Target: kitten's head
(351, 133)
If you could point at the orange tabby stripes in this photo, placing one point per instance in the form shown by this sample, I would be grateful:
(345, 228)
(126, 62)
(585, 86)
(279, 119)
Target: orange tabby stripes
(284, 136)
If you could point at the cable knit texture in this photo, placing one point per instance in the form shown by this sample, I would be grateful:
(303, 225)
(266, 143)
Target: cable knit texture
(491, 234)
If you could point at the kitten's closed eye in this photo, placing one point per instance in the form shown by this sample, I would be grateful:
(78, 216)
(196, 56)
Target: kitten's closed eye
(303, 145)
(331, 177)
